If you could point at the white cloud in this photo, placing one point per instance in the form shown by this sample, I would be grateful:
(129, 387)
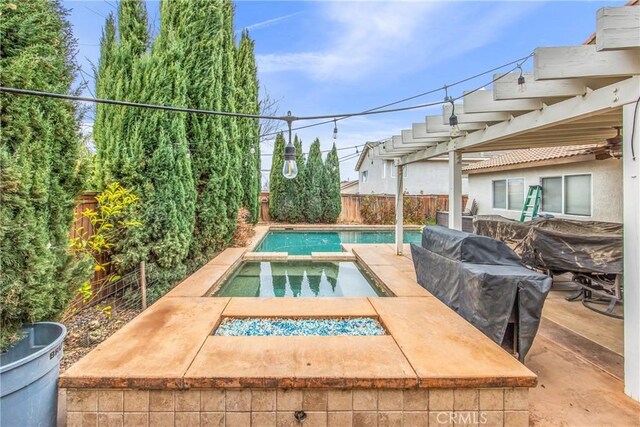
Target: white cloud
(365, 38)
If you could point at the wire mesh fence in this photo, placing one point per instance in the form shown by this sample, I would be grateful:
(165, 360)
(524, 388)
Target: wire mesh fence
(114, 305)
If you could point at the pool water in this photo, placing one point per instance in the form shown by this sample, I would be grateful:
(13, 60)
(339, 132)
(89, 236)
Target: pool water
(305, 242)
(299, 279)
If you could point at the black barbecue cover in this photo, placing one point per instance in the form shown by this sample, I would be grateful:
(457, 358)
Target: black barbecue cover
(483, 281)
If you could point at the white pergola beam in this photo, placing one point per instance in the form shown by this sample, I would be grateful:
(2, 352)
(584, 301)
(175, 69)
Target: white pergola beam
(507, 88)
(435, 125)
(399, 208)
(463, 117)
(482, 101)
(567, 62)
(618, 28)
(455, 190)
(580, 107)
(409, 140)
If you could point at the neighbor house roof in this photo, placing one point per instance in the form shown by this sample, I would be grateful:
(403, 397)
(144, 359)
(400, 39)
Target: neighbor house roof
(347, 184)
(531, 157)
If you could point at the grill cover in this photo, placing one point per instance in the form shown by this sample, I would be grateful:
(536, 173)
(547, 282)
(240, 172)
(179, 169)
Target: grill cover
(559, 244)
(483, 281)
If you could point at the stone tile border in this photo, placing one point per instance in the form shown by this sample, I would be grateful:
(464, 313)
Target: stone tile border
(277, 407)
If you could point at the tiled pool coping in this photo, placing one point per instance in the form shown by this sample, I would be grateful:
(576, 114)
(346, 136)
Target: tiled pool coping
(170, 346)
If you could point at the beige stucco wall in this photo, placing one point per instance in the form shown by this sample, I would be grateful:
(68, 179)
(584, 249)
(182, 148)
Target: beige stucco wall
(606, 183)
(428, 177)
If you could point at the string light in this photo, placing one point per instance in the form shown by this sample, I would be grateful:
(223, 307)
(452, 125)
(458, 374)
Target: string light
(335, 129)
(290, 168)
(521, 81)
(454, 131)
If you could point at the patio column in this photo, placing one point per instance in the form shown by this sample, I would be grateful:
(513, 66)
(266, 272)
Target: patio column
(631, 223)
(455, 190)
(399, 208)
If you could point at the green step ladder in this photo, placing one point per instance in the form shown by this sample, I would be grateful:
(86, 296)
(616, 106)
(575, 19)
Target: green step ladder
(531, 202)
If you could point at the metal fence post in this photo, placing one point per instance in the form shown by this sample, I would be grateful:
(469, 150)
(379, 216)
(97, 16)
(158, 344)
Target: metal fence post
(143, 285)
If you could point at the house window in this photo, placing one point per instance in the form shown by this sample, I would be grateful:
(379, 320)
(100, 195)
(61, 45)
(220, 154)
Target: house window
(405, 171)
(577, 195)
(569, 194)
(508, 193)
(552, 194)
(393, 171)
(365, 175)
(384, 170)
(500, 194)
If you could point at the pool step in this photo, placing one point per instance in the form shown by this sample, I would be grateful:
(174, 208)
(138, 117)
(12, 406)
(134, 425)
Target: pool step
(284, 256)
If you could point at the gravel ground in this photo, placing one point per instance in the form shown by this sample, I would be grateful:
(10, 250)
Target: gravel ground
(89, 328)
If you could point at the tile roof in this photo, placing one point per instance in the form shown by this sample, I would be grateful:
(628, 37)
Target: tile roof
(531, 155)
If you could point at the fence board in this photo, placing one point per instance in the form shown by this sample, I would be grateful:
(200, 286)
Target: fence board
(429, 204)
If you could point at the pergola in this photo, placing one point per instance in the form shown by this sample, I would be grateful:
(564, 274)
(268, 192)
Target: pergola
(575, 95)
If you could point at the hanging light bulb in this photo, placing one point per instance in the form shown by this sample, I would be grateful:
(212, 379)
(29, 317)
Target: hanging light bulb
(454, 129)
(521, 81)
(290, 168)
(335, 129)
(253, 149)
(357, 152)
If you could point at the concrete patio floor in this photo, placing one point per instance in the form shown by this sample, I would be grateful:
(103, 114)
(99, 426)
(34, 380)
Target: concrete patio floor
(576, 354)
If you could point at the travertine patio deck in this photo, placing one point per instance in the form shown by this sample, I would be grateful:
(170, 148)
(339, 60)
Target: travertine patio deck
(170, 347)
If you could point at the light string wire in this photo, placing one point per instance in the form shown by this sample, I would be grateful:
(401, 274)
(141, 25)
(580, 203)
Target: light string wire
(519, 62)
(287, 118)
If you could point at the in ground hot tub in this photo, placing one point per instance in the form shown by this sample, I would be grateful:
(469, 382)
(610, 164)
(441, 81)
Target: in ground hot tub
(299, 279)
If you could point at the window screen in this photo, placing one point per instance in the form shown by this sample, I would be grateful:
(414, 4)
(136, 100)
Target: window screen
(516, 194)
(500, 194)
(552, 194)
(365, 175)
(577, 195)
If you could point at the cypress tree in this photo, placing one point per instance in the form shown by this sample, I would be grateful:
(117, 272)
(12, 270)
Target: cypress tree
(332, 203)
(196, 31)
(38, 154)
(114, 80)
(314, 183)
(168, 194)
(293, 209)
(104, 83)
(227, 47)
(249, 129)
(276, 181)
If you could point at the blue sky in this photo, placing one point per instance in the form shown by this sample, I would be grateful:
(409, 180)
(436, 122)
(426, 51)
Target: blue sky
(335, 57)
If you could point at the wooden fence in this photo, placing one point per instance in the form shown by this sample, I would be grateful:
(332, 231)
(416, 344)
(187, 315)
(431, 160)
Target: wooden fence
(352, 205)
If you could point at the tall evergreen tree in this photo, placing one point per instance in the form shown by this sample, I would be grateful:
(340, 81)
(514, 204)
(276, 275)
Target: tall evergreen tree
(227, 49)
(249, 129)
(168, 195)
(314, 183)
(332, 202)
(196, 32)
(276, 181)
(118, 56)
(293, 209)
(38, 154)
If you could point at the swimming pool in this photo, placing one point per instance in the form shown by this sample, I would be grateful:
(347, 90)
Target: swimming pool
(305, 242)
(299, 279)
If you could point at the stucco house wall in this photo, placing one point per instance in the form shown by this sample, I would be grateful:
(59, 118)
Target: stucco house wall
(428, 177)
(606, 187)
